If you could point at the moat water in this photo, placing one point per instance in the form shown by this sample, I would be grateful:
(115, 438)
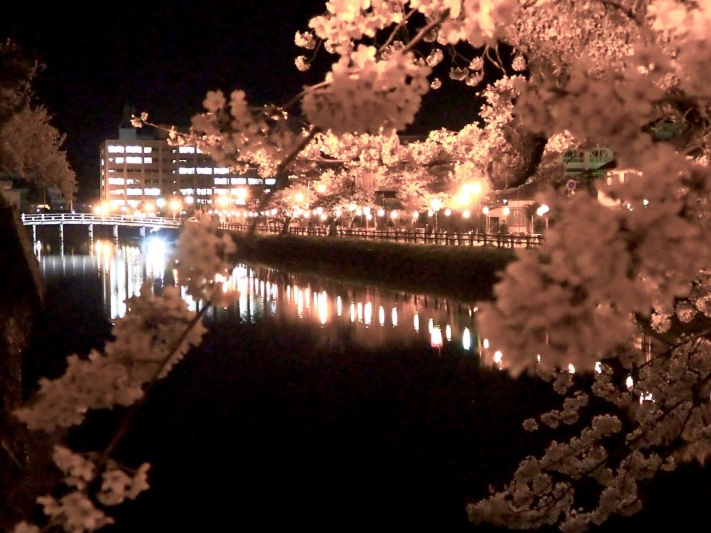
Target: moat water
(312, 405)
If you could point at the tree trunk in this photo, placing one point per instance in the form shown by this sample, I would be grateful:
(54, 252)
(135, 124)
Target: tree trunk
(285, 227)
(332, 227)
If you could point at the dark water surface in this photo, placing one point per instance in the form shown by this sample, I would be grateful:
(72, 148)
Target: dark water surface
(313, 406)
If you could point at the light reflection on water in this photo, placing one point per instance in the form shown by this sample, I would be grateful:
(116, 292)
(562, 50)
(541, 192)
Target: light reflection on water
(342, 313)
(347, 312)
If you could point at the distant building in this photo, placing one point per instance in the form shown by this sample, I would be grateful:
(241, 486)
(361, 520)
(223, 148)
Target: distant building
(139, 170)
(29, 197)
(13, 196)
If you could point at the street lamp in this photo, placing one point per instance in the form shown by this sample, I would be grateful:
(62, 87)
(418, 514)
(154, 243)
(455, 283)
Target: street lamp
(542, 211)
(368, 216)
(175, 206)
(189, 201)
(436, 205)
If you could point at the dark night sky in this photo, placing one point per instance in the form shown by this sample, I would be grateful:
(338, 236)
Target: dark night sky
(162, 56)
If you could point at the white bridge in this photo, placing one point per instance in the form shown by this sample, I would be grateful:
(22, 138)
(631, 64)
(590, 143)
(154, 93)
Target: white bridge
(86, 219)
(89, 220)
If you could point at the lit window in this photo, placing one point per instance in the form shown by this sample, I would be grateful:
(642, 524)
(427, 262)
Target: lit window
(238, 181)
(115, 181)
(134, 192)
(187, 192)
(185, 170)
(133, 160)
(119, 159)
(221, 191)
(186, 149)
(148, 160)
(114, 149)
(153, 191)
(255, 181)
(204, 192)
(270, 181)
(147, 149)
(133, 150)
(221, 181)
(221, 170)
(204, 170)
(116, 191)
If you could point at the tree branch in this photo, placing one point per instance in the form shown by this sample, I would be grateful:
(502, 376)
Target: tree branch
(424, 31)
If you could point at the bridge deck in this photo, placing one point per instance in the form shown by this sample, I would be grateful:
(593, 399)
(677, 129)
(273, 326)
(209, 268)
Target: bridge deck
(47, 219)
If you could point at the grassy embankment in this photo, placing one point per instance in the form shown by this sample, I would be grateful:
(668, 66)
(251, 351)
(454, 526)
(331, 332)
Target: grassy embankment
(460, 272)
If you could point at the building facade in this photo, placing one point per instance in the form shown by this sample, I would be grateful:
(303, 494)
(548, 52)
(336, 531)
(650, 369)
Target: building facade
(145, 174)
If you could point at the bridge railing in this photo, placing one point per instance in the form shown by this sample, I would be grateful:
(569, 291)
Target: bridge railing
(88, 218)
(443, 238)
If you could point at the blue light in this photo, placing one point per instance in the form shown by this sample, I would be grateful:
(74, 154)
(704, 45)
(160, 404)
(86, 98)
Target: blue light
(155, 247)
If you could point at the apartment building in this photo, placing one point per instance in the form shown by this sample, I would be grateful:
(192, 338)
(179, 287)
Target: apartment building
(142, 172)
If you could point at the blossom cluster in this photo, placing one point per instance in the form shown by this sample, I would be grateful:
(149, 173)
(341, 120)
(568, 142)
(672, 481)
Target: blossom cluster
(364, 94)
(155, 333)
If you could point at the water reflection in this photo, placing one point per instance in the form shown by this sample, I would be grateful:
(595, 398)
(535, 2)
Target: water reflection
(121, 268)
(347, 313)
(342, 313)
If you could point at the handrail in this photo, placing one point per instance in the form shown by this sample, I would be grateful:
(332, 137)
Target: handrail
(471, 238)
(88, 218)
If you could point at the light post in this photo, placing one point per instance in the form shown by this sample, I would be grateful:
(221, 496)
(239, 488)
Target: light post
(351, 208)
(436, 205)
(506, 212)
(394, 216)
(542, 211)
(381, 214)
(189, 200)
(175, 206)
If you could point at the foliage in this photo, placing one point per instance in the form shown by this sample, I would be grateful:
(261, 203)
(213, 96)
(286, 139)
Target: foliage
(155, 334)
(16, 73)
(30, 146)
(595, 73)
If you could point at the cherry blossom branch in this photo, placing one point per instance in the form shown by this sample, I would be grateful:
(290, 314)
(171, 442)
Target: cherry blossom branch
(400, 25)
(293, 101)
(264, 197)
(124, 426)
(425, 30)
(627, 12)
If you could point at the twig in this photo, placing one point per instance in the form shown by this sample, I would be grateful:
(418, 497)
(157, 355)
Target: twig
(128, 418)
(264, 197)
(424, 31)
(395, 30)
